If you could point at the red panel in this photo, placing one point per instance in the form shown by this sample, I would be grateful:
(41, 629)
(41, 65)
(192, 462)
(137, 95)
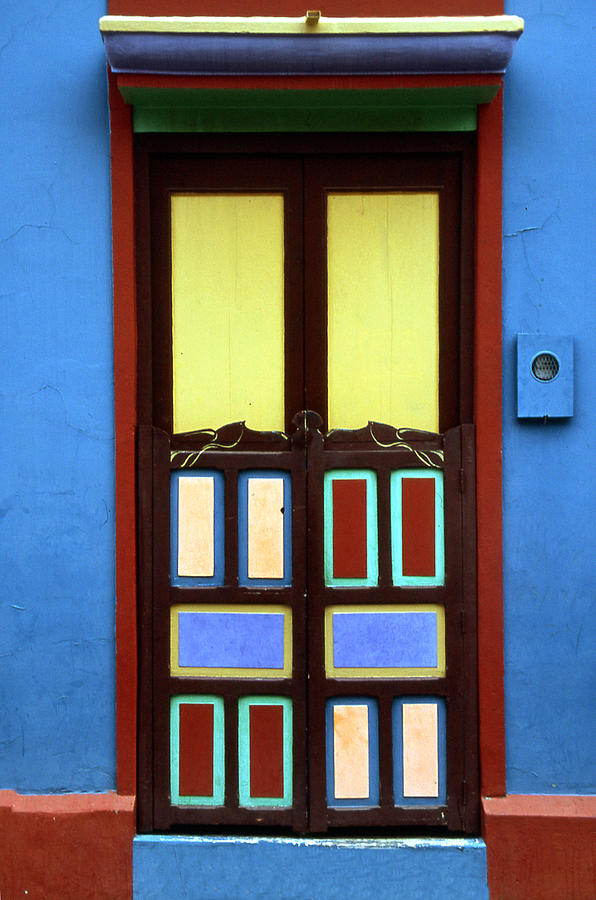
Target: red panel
(349, 528)
(196, 750)
(297, 8)
(266, 724)
(418, 526)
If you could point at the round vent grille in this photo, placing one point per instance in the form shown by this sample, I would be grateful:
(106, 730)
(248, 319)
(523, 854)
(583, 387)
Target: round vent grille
(545, 366)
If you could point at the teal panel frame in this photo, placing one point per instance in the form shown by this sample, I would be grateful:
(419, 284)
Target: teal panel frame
(217, 798)
(372, 536)
(244, 704)
(396, 530)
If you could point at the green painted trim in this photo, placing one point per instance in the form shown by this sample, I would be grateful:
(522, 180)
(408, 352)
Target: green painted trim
(172, 121)
(188, 110)
(372, 547)
(217, 798)
(388, 98)
(324, 25)
(244, 704)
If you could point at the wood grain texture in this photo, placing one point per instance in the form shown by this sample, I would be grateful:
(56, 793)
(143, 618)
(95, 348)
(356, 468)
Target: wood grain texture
(359, 453)
(383, 309)
(228, 310)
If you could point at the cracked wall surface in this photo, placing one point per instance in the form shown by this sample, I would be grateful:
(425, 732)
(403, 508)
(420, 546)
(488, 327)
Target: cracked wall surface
(549, 485)
(56, 403)
(56, 472)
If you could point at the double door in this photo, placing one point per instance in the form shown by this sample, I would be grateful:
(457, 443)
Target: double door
(306, 502)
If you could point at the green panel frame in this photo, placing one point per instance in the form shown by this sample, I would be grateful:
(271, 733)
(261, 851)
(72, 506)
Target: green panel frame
(218, 796)
(244, 704)
(372, 528)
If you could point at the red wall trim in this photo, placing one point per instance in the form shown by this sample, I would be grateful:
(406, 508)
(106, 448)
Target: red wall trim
(125, 389)
(66, 847)
(540, 848)
(297, 8)
(306, 82)
(487, 417)
(488, 448)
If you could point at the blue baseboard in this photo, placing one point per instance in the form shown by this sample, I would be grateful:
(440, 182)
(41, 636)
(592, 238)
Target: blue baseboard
(253, 868)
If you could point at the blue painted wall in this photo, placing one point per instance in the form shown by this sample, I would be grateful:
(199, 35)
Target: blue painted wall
(57, 729)
(549, 471)
(56, 454)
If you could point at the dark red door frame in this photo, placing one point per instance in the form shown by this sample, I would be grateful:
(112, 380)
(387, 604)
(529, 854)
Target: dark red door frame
(487, 417)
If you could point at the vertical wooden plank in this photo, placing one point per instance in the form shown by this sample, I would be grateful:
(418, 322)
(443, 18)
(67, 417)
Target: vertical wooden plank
(349, 528)
(266, 726)
(383, 357)
(228, 310)
(418, 526)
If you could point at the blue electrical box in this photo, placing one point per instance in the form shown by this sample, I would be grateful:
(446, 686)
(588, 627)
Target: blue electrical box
(544, 376)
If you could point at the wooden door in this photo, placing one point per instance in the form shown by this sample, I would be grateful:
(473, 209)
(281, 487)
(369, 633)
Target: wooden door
(307, 575)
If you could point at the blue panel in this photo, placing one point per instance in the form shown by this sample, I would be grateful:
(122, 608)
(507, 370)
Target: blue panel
(231, 640)
(373, 752)
(385, 640)
(398, 772)
(551, 393)
(218, 530)
(263, 868)
(243, 578)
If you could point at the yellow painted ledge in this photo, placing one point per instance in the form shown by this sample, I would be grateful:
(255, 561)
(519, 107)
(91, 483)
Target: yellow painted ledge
(325, 25)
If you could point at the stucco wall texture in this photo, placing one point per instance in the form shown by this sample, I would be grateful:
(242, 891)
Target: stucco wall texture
(56, 472)
(549, 480)
(57, 713)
